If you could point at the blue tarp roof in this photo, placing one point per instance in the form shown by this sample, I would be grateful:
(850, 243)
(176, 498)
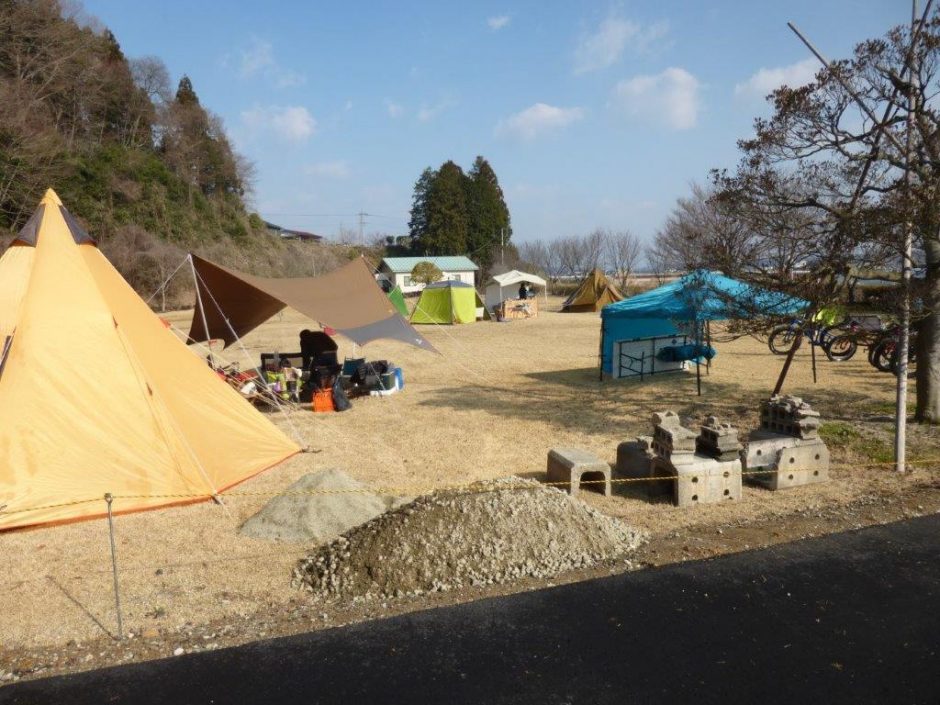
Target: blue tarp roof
(704, 296)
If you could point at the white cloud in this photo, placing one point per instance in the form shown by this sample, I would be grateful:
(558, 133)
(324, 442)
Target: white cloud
(605, 46)
(498, 22)
(765, 81)
(427, 112)
(292, 123)
(394, 109)
(258, 60)
(335, 170)
(670, 98)
(537, 120)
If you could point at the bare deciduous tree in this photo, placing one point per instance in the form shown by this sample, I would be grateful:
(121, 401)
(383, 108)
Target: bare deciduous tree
(622, 252)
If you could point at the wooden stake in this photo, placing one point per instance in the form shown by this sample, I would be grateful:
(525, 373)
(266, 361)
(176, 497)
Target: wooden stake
(786, 365)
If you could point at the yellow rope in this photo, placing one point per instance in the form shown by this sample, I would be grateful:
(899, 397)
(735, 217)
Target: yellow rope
(478, 486)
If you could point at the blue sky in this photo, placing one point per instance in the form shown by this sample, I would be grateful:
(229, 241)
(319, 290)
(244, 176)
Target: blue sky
(592, 114)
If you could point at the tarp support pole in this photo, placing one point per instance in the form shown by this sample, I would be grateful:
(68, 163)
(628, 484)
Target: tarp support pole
(202, 309)
(708, 342)
(109, 499)
(698, 358)
(300, 440)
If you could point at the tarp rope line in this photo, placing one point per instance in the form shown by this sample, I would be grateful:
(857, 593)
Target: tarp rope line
(476, 487)
(166, 281)
(459, 344)
(281, 407)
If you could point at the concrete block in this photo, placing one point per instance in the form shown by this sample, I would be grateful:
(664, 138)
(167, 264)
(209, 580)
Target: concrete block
(703, 480)
(796, 465)
(670, 436)
(634, 458)
(573, 465)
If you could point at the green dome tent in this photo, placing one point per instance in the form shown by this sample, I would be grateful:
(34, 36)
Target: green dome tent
(398, 301)
(447, 302)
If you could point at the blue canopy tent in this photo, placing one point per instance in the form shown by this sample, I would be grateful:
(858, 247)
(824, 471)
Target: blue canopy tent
(674, 314)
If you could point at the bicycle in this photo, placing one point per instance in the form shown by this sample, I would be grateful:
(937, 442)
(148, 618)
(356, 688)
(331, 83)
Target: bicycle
(838, 348)
(883, 354)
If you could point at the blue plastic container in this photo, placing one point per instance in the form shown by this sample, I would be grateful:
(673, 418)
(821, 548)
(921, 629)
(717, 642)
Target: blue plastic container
(400, 377)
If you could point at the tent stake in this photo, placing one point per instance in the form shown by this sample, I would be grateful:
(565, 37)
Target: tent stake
(109, 498)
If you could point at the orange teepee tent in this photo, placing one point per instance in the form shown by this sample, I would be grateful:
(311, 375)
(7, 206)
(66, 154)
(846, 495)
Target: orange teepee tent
(97, 396)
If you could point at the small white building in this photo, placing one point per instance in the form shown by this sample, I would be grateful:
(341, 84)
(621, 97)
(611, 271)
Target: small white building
(397, 271)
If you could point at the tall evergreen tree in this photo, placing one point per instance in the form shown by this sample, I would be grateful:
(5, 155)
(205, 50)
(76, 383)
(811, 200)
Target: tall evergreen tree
(185, 95)
(487, 214)
(446, 213)
(418, 224)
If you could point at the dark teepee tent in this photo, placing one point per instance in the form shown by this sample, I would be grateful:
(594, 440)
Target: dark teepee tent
(594, 292)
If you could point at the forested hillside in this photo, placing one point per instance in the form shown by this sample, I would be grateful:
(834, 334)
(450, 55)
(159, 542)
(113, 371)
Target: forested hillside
(144, 164)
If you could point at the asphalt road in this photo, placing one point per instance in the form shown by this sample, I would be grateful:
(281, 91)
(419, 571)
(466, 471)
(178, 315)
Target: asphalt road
(850, 618)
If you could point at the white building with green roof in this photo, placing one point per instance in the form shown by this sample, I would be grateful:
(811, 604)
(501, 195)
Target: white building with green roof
(397, 270)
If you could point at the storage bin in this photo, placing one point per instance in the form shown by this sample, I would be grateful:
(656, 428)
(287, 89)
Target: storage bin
(323, 401)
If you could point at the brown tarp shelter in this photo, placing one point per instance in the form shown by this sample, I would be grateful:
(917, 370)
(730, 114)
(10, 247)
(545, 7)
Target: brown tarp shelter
(594, 292)
(349, 300)
(98, 396)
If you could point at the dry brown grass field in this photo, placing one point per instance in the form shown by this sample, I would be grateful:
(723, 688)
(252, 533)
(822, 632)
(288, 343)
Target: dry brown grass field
(492, 405)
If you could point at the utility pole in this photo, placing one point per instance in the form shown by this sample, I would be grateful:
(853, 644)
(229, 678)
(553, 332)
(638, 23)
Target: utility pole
(362, 216)
(502, 246)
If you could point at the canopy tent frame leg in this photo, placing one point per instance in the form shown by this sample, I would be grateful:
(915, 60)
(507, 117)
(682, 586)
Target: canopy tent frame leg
(708, 342)
(812, 349)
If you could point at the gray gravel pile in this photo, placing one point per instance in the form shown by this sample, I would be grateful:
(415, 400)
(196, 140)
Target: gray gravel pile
(448, 540)
(318, 507)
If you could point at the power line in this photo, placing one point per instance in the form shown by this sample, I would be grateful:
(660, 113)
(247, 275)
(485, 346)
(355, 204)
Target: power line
(328, 215)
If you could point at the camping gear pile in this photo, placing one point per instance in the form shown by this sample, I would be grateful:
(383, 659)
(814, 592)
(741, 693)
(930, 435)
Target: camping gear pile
(376, 378)
(323, 383)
